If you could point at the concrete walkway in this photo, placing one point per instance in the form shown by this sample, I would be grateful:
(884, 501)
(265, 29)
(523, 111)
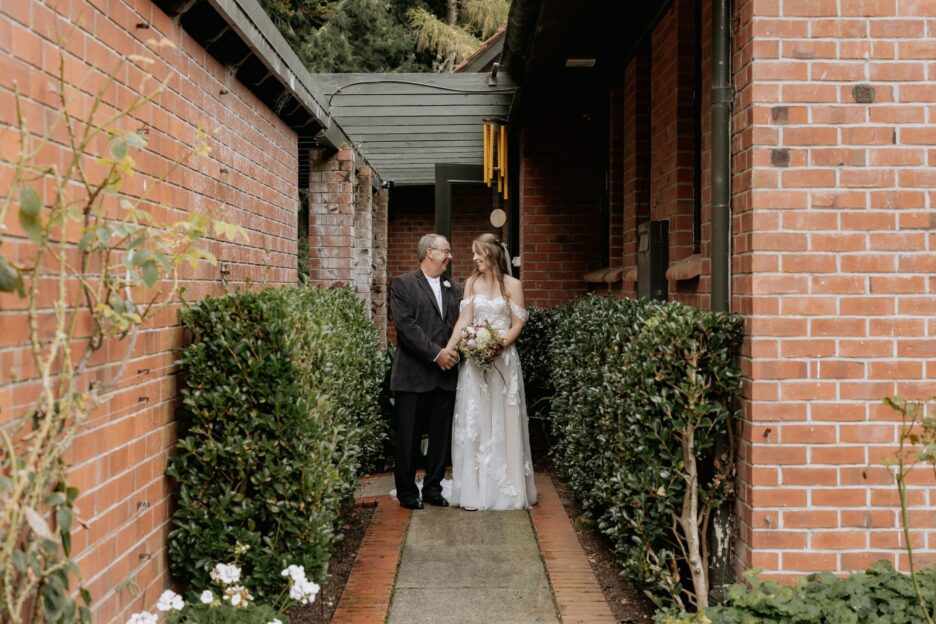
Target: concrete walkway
(459, 567)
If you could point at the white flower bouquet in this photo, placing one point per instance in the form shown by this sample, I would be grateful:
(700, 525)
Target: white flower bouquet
(233, 604)
(481, 343)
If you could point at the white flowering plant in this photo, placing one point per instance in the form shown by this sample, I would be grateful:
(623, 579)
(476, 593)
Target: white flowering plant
(230, 602)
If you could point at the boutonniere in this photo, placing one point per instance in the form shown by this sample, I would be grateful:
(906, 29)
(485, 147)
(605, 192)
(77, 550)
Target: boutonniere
(447, 283)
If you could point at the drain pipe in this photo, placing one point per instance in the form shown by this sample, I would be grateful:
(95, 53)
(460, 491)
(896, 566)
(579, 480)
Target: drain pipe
(722, 99)
(721, 529)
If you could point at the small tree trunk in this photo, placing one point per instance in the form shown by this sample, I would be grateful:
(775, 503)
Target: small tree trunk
(451, 15)
(689, 521)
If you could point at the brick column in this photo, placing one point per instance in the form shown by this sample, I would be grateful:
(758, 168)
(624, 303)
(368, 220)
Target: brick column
(331, 217)
(834, 260)
(379, 275)
(362, 252)
(616, 177)
(635, 163)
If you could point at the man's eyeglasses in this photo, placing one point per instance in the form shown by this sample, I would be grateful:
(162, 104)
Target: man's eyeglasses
(447, 252)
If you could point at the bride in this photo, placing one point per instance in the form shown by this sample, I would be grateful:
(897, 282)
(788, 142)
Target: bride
(491, 466)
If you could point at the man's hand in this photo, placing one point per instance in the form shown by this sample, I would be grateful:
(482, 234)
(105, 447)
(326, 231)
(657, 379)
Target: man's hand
(447, 359)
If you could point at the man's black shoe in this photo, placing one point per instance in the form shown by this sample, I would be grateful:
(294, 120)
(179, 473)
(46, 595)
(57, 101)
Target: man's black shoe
(437, 500)
(413, 504)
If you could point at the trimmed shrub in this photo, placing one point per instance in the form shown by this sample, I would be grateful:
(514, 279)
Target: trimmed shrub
(533, 347)
(281, 407)
(642, 392)
(880, 595)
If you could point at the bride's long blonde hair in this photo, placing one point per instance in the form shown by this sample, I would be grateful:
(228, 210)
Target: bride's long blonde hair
(493, 250)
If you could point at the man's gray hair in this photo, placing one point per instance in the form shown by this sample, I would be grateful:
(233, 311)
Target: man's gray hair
(427, 241)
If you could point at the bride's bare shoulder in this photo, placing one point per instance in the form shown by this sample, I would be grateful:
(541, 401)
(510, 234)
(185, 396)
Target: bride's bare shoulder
(512, 282)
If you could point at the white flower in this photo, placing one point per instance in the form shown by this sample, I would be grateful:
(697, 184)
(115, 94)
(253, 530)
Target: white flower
(274, 621)
(206, 597)
(237, 595)
(143, 617)
(304, 591)
(226, 574)
(170, 601)
(447, 283)
(295, 573)
(484, 335)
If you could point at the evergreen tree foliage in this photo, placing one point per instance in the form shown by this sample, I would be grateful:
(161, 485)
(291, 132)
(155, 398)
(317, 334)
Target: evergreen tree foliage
(385, 35)
(365, 36)
(298, 19)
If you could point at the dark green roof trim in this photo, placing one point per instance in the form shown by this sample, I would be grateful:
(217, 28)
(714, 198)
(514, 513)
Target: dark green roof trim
(240, 35)
(521, 26)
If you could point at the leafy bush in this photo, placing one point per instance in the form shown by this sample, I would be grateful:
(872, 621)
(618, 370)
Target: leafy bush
(880, 595)
(281, 408)
(534, 354)
(642, 392)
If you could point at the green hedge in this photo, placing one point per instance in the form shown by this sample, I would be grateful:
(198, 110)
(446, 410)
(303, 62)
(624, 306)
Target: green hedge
(880, 595)
(281, 409)
(535, 356)
(628, 376)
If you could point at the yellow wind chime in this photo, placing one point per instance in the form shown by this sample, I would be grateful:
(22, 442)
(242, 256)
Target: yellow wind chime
(495, 155)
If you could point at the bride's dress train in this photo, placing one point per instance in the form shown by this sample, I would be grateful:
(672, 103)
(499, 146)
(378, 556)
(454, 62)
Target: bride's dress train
(491, 461)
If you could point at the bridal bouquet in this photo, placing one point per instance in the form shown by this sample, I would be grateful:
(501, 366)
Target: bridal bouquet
(481, 343)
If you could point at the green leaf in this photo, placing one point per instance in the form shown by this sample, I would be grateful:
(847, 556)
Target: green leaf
(103, 235)
(118, 150)
(150, 273)
(135, 140)
(230, 231)
(10, 278)
(31, 224)
(30, 203)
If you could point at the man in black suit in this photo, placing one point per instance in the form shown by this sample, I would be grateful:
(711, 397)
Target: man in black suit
(424, 308)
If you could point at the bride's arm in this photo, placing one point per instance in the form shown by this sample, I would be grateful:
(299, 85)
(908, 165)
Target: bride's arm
(465, 316)
(515, 288)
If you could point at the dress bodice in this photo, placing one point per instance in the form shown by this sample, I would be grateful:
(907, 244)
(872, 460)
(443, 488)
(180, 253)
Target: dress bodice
(495, 310)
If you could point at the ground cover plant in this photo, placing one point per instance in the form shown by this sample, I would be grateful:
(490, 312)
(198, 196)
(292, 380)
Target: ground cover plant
(281, 409)
(878, 595)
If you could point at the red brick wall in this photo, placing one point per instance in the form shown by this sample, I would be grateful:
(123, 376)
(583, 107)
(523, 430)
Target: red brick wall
(672, 132)
(636, 111)
(332, 192)
(471, 217)
(834, 254)
(616, 176)
(560, 204)
(412, 215)
(120, 456)
(671, 136)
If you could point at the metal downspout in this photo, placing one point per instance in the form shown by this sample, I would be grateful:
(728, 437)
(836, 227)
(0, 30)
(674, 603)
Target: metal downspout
(721, 529)
(722, 99)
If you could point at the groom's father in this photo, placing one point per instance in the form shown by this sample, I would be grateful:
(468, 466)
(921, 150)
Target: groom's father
(424, 307)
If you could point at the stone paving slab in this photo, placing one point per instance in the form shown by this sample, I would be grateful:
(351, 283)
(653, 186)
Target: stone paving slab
(471, 567)
(450, 566)
(472, 606)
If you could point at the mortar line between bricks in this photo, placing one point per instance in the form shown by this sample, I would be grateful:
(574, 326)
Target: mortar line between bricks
(581, 601)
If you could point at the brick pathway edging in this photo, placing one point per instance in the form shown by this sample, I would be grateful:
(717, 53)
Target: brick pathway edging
(578, 596)
(367, 593)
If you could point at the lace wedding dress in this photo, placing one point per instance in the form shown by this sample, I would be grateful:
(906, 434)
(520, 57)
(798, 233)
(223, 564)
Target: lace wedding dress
(491, 465)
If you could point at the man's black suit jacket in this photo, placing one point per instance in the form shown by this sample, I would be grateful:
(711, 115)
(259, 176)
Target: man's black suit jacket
(421, 333)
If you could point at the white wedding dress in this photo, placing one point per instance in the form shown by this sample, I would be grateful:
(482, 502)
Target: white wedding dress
(491, 462)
